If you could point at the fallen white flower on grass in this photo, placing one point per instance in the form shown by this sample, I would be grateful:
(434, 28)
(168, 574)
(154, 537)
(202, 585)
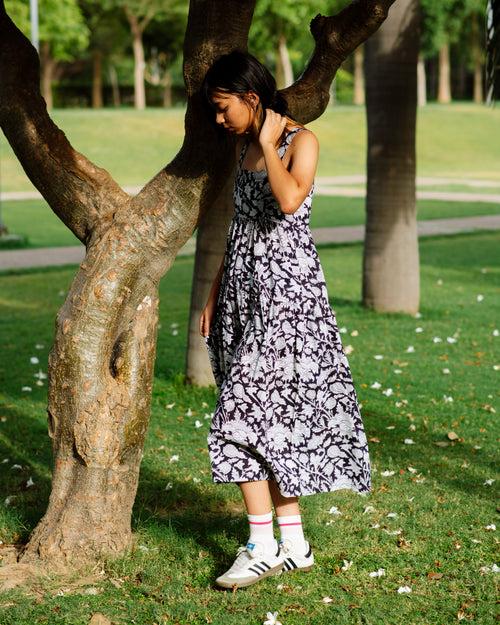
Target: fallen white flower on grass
(197, 480)
(208, 415)
(346, 565)
(369, 509)
(376, 385)
(419, 329)
(402, 589)
(392, 532)
(26, 388)
(412, 470)
(439, 281)
(377, 573)
(375, 526)
(174, 458)
(354, 333)
(410, 349)
(8, 499)
(496, 332)
(16, 466)
(170, 405)
(392, 515)
(271, 619)
(30, 482)
(451, 339)
(446, 371)
(494, 568)
(280, 586)
(447, 398)
(390, 427)
(398, 370)
(348, 349)
(343, 330)
(417, 315)
(437, 339)
(189, 412)
(496, 367)
(492, 527)
(174, 325)
(39, 346)
(409, 441)
(334, 510)
(327, 600)
(488, 482)
(387, 473)
(480, 297)
(169, 486)
(34, 360)
(378, 357)
(412, 427)
(198, 424)
(388, 392)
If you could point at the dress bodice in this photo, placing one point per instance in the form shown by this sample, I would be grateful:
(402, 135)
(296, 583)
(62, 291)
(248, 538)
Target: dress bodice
(252, 195)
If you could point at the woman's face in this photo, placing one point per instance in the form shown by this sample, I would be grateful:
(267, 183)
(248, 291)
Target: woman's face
(232, 113)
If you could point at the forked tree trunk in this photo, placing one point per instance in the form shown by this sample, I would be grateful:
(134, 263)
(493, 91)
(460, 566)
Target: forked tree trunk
(391, 260)
(101, 365)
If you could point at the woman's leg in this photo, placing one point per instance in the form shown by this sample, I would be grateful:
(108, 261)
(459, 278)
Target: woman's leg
(284, 506)
(257, 497)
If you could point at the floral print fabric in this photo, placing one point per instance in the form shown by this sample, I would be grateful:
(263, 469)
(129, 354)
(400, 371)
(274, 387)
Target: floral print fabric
(287, 409)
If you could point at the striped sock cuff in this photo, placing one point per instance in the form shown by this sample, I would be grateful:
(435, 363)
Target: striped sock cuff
(292, 519)
(260, 519)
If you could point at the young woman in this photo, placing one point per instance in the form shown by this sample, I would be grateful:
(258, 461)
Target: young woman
(287, 420)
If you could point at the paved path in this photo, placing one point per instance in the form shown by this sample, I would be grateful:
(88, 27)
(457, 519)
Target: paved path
(73, 255)
(338, 186)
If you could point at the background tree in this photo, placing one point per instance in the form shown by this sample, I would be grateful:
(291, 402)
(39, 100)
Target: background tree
(390, 256)
(492, 49)
(101, 364)
(63, 35)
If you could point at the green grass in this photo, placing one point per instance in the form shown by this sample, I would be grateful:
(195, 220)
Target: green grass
(189, 534)
(24, 216)
(134, 145)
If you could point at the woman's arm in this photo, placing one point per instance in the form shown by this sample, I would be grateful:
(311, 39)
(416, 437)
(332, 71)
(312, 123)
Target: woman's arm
(291, 187)
(214, 291)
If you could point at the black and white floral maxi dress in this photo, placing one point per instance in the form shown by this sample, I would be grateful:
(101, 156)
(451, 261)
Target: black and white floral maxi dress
(287, 409)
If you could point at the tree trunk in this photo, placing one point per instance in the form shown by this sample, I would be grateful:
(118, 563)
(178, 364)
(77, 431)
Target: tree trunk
(47, 66)
(391, 260)
(421, 82)
(167, 89)
(96, 78)
(101, 365)
(211, 239)
(444, 88)
(284, 71)
(359, 79)
(139, 63)
(115, 88)
(478, 63)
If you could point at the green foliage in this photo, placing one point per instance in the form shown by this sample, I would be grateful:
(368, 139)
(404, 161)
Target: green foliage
(61, 24)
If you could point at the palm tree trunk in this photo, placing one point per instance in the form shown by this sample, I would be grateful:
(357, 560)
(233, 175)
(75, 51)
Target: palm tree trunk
(391, 260)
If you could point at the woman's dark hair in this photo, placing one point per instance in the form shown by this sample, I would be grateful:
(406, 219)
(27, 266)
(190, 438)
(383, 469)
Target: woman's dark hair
(238, 72)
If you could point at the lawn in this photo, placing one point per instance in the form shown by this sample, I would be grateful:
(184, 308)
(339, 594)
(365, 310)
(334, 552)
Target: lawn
(442, 487)
(460, 140)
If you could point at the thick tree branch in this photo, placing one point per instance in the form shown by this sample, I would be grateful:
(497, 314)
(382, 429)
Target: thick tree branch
(336, 37)
(79, 192)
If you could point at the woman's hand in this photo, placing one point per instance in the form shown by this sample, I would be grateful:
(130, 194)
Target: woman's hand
(206, 317)
(272, 128)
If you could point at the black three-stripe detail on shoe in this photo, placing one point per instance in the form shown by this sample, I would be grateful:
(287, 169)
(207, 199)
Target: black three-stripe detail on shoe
(259, 567)
(289, 564)
(309, 552)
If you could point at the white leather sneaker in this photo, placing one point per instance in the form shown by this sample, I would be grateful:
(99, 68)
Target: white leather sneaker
(251, 565)
(293, 560)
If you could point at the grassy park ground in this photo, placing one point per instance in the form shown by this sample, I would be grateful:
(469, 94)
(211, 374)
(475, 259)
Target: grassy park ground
(432, 441)
(456, 142)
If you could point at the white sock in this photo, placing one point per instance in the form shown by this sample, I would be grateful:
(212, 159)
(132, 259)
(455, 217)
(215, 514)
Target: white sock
(261, 530)
(291, 529)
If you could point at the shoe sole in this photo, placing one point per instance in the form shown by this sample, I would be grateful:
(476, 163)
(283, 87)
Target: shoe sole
(298, 568)
(249, 581)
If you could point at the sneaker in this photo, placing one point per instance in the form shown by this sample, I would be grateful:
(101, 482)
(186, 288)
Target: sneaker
(293, 560)
(252, 564)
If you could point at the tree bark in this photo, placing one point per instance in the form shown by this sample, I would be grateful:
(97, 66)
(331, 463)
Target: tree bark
(115, 87)
(96, 78)
(359, 79)
(391, 261)
(101, 364)
(139, 63)
(444, 87)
